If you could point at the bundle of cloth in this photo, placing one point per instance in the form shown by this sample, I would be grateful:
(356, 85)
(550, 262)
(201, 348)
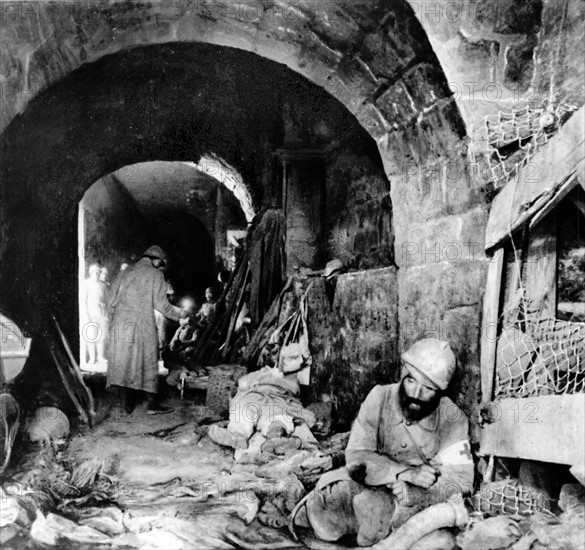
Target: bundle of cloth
(266, 415)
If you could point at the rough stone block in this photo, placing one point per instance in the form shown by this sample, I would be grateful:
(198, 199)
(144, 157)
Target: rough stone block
(428, 290)
(384, 61)
(363, 236)
(405, 35)
(451, 239)
(519, 66)
(426, 84)
(430, 188)
(354, 177)
(357, 76)
(331, 24)
(517, 17)
(397, 105)
(313, 47)
(368, 20)
(340, 90)
(372, 120)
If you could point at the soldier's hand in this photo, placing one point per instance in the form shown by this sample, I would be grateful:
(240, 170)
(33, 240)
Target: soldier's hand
(422, 476)
(407, 494)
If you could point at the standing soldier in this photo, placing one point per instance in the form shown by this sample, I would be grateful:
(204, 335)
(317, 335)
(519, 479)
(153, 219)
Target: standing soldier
(133, 349)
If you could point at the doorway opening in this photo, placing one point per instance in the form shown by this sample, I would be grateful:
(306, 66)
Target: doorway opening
(192, 214)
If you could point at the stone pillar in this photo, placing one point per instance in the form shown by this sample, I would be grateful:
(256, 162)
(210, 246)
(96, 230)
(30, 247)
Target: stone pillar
(303, 200)
(439, 222)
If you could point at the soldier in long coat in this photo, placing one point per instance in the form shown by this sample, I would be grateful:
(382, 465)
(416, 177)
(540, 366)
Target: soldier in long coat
(133, 349)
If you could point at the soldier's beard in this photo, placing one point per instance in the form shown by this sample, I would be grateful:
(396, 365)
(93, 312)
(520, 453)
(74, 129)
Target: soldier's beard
(417, 409)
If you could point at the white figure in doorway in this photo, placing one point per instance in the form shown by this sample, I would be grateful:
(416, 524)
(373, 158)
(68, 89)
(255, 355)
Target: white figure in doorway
(94, 327)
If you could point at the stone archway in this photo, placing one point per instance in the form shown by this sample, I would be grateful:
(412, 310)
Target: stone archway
(379, 65)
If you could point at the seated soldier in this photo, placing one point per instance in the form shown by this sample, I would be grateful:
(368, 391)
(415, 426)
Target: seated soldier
(207, 310)
(184, 337)
(408, 449)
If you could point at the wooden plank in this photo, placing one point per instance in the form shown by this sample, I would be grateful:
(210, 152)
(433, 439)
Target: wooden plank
(491, 312)
(233, 313)
(513, 275)
(561, 193)
(541, 267)
(549, 429)
(76, 370)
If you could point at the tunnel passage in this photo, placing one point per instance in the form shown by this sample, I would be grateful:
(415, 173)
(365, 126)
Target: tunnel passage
(173, 204)
(170, 102)
(184, 101)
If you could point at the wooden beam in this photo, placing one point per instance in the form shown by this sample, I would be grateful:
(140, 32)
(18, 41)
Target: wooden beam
(549, 429)
(59, 360)
(560, 194)
(491, 312)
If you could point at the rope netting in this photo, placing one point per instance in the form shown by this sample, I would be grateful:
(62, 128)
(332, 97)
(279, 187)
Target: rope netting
(540, 356)
(508, 496)
(507, 141)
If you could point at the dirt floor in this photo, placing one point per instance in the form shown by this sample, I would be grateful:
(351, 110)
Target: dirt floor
(160, 482)
(173, 487)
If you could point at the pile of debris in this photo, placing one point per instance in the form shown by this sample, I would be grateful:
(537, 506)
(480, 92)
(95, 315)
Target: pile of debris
(47, 482)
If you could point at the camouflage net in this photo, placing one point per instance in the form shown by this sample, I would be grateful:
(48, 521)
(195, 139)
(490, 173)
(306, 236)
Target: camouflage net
(507, 141)
(509, 497)
(540, 356)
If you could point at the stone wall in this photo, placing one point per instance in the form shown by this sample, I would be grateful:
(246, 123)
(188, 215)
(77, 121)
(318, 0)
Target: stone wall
(104, 117)
(439, 237)
(305, 206)
(377, 63)
(358, 208)
(115, 230)
(500, 55)
(353, 329)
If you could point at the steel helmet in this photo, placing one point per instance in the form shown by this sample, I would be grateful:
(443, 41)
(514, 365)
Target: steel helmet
(155, 252)
(434, 359)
